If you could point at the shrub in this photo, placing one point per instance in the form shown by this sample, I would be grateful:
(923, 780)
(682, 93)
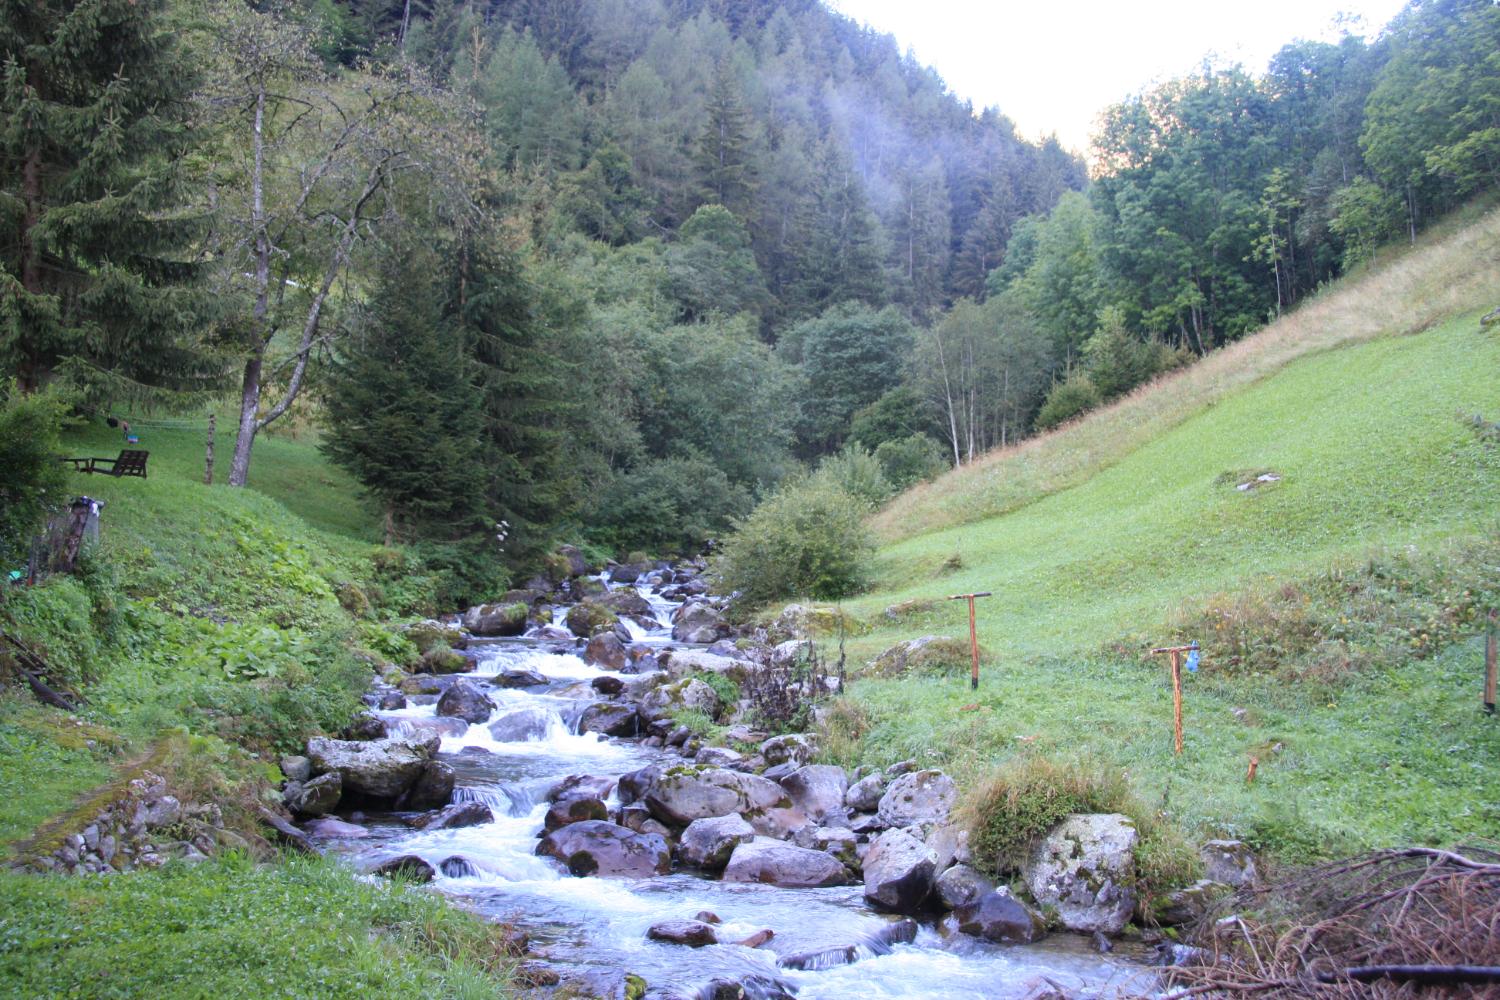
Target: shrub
(35, 483)
(674, 505)
(911, 460)
(807, 538)
(855, 471)
(1074, 395)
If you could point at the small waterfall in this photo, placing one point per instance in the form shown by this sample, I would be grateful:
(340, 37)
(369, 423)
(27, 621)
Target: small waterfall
(507, 800)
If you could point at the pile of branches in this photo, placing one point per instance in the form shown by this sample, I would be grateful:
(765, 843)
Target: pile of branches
(1414, 922)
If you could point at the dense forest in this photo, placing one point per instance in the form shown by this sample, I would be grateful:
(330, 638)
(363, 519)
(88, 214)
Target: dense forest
(620, 269)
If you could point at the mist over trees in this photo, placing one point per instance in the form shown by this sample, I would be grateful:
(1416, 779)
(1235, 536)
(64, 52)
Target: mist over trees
(653, 256)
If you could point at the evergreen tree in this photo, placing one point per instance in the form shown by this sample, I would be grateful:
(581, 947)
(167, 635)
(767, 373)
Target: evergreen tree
(402, 411)
(95, 274)
(724, 163)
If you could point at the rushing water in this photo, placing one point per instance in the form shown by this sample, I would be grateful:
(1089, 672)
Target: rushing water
(602, 922)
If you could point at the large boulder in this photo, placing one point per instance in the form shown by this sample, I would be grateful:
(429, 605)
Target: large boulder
(999, 917)
(794, 748)
(1228, 861)
(960, 886)
(626, 601)
(699, 623)
(432, 789)
(818, 790)
(316, 797)
(680, 662)
(378, 769)
(683, 794)
(918, 797)
(772, 862)
(609, 718)
(923, 654)
(442, 660)
(898, 872)
(864, 795)
(708, 843)
(596, 847)
(581, 786)
(1085, 870)
(497, 619)
(588, 619)
(606, 650)
(574, 810)
(521, 725)
(690, 694)
(465, 701)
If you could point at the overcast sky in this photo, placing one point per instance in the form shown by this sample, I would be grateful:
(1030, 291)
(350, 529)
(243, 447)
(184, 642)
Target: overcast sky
(1053, 66)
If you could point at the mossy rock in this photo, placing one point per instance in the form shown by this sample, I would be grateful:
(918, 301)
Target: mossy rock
(442, 660)
(557, 567)
(353, 599)
(928, 654)
(420, 684)
(588, 619)
(588, 586)
(427, 636)
(907, 610)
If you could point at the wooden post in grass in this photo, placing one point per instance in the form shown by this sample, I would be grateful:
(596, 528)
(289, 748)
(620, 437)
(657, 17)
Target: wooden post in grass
(1175, 652)
(1489, 668)
(208, 454)
(973, 636)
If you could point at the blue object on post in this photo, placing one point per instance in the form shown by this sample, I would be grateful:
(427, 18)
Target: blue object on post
(1192, 660)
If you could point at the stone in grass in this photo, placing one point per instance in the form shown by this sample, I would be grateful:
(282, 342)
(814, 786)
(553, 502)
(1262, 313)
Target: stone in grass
(1084, 869)
(407, 866)
(692, 933)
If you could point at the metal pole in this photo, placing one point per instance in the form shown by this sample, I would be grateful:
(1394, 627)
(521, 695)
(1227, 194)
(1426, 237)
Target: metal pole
(974, 648)
(1489, 668)
(1177, 699)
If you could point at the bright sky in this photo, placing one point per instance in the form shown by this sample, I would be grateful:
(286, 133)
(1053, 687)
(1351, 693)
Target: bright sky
(1052, 66)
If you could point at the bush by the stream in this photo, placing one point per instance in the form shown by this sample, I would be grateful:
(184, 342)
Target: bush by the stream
(807, 538)
(668, 505)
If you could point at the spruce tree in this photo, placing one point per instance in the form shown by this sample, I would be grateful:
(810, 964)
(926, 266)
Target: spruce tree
(403, 412)
(96, 272)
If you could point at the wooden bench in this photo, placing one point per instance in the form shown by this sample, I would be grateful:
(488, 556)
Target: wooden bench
(128, 463)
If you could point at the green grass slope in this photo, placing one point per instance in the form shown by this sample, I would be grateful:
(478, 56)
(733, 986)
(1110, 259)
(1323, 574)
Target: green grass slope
(1127, 529)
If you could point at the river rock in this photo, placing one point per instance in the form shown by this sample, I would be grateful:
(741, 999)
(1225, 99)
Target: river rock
(460, 814)
(818, 790)
(409, 866)
(609, 718)
(950, 842)
(999, 917)
(442, 660)
(317, 796)
(698, 623)
(365, 726)
(497, 619)
(898, 872)
(520, 679)
(918, 797)
(626, 601)
(433, 788)
(335, 829)
(465, 701)
(960, 886)
(574, 810)
(521, 725)
(794, 748)
(381, 769)
(864, 795)
(683, 794)
(772, 862)
(680, 662)
(1228, 861)
(597, 847)
(708, 843)
(690, 694)
(719, 757)
(838, 841)
(1189, 905)
(1085, 869)
(607, 685)
(296, 768)
(581, 786)
(692, 933)
(588, 619)
(606, 650)
(458, 866)
(634, 785)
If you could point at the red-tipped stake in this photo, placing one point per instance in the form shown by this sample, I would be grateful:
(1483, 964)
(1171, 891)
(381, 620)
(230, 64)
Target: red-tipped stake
(973, 635)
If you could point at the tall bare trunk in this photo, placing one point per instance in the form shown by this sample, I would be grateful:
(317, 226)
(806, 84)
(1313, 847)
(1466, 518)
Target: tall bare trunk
(239, 466)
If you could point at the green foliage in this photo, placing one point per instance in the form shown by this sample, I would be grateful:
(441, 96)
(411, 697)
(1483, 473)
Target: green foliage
(856, 472)
(231, 925)
(851, 356)
(668, 505)
(911, 460)
(711, 268)
(1116, 362)
(1074, 395)
(1365, 216)
(57, 618)
(806, 538)
(727, 690)
(897, 414)
(34, 484)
